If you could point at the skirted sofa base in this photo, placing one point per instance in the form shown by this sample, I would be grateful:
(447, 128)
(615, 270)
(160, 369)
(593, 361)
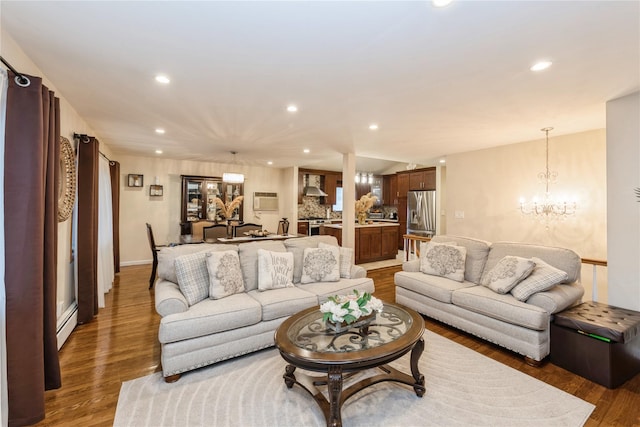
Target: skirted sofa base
(520, 326)
(213, 330)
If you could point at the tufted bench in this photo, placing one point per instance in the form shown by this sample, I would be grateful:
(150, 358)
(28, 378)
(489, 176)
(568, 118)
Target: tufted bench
(597, 341)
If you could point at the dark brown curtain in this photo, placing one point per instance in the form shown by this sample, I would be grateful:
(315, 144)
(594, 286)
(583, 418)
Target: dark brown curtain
(32, 146)
(87, 240)
(114, 171)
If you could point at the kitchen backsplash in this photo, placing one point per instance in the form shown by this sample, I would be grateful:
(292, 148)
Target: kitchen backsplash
(311, 207)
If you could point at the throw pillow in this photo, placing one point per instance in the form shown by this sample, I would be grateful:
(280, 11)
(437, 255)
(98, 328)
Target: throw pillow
(320, 265)
(507, 273)
(275, 270)
(542, 278)
(192, 275)
(346, 259)
(444, 260)
(225, 276)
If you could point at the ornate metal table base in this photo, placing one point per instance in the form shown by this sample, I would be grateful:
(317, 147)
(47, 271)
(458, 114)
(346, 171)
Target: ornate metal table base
(334, 379)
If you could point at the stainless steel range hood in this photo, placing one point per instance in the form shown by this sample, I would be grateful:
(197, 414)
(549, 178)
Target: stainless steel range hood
(312, 190)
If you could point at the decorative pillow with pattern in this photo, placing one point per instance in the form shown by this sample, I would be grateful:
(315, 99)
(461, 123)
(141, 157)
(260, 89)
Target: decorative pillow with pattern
(444, 260)
(542, 278)
(193, 278)
(225, 276)
(507, 273)
(275, 270)
(346, 259)
(321, 265)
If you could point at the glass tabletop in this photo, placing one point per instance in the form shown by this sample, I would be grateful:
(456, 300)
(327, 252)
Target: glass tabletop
(311, 333)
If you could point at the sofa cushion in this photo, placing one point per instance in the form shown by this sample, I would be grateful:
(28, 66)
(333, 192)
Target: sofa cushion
(444, 260)
(249, 260)
(505, 307)
(438, 288)
(193, 277)
(321, 265)
(342, 287)
(297, 247)
(225, 277)
(542, 277)
(209, 317)
(283, 302)
(346, 260)
(558, 298)
(477, 252)
(167, 257)
(275, 270)
(563, 259)
(507, 273)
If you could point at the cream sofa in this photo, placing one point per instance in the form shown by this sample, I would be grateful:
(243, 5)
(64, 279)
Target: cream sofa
(212, 330)
(521, 326)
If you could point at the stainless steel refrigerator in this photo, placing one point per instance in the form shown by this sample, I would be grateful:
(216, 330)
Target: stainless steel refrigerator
(421, 213)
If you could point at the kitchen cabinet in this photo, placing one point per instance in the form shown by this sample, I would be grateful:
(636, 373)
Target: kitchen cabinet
(390, 190)
(303, 228)
(331, 231)
(362, 188)
(369, 248)
(199, 194)
(423, 179)
(402, 221)
(388, 242)
(330, 185)
(403, 184)
(372, 242)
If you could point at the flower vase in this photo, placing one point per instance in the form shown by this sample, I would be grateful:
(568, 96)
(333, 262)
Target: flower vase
(229, 230)
(362, 322)
(362, 218)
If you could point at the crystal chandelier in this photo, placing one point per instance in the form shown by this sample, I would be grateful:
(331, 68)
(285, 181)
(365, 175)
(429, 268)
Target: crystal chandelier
(548, 208)
(233, 177)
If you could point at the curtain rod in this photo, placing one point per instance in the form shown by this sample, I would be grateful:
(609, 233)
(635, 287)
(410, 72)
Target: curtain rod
(82, 136)
(21, 79)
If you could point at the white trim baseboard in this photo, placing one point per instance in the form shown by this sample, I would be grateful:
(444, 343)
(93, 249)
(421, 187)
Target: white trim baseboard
(67, 324)
(140, 262)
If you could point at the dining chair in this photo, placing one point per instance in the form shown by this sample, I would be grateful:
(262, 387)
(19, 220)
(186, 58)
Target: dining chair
(238, 230)
(196, 230)
(154, 251)
(211, 233)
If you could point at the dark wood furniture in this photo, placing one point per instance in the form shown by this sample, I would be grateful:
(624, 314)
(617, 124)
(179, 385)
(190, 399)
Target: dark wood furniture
(597, 341)
(211, 233)
(239, 230)
(372, 242)
(198, 199)
(305, 342)
(154, 253)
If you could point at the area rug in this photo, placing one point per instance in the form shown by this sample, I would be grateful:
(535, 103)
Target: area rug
(463, 388)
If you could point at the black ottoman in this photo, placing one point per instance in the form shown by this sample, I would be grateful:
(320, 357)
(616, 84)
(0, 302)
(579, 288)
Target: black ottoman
(597, 341)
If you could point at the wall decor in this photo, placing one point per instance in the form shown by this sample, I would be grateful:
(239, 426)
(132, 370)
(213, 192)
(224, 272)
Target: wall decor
(135, 180)
(155, 190)
(66, 180)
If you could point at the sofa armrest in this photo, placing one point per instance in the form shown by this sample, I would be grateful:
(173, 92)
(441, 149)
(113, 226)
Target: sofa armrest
(558, 298)
(411, 266)
(358, 272)
(169, 299)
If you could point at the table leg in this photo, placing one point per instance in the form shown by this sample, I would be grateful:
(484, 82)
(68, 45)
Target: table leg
(335, 393)
(289, 377)
(418, 387)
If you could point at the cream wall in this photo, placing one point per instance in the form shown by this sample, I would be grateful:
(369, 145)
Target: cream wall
(623, 175)
(163, 213)
(484, 187)
(70, 122)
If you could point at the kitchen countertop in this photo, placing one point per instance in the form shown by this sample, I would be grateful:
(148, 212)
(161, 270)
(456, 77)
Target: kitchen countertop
(374, 224)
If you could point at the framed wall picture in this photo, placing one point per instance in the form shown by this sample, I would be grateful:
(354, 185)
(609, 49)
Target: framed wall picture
(155, 190)
(135, 180)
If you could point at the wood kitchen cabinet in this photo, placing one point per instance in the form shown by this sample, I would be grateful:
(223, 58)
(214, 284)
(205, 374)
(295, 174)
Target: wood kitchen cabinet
(423, 179)
(369, 248)
(402, 221)
(303, 228)
(330, 185)
(388, 242)
(335, 232)
(403, 184)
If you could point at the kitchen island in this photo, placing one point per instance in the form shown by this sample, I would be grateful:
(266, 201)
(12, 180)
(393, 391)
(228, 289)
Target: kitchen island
(374, 242)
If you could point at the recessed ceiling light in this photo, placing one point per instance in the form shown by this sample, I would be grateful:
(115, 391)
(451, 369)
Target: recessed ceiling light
(162, 79)
(541, 65)
(292, 108)
(441, 3)
(373, 126)
(443, 161)
(158, 151)
(306, 151)
(160, 131)
(269, 162)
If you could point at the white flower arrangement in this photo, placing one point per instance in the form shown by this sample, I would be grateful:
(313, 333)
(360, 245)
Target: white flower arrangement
(349, 308)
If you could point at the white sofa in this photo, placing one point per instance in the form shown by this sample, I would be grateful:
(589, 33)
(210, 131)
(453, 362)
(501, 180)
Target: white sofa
(521, 326)
(212, 330)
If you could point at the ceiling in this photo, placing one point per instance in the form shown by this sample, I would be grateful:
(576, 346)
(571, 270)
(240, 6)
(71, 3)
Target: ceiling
(437, 81)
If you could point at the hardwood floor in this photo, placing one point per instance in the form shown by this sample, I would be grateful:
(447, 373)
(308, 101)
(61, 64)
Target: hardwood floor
(120, 345)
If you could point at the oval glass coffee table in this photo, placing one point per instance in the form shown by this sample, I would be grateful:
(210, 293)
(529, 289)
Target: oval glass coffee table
(306, 342)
